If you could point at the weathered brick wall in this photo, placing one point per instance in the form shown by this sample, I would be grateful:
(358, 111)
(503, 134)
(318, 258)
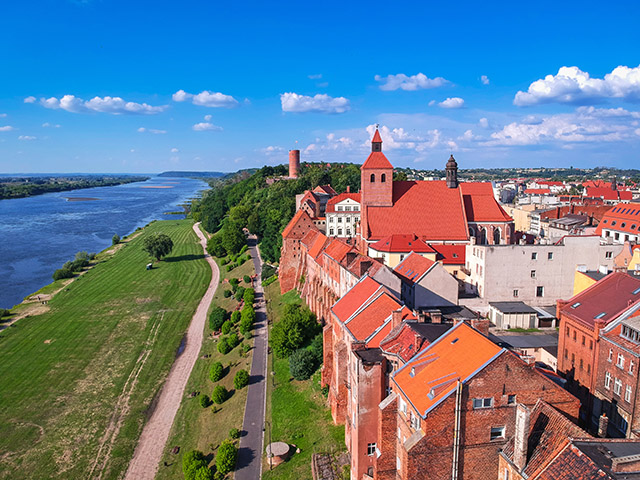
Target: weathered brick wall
(385, 465)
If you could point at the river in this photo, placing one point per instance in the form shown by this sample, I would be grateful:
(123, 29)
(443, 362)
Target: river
(38, 234)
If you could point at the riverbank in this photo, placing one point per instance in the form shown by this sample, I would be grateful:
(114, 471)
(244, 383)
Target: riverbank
(21, 187)
(78, 381)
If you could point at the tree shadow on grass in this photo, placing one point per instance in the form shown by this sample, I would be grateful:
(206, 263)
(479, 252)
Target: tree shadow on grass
(183, 258)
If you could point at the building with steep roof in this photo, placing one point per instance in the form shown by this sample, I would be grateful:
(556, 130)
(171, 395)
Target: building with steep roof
(621, 224)
(451, 412)
(343, 215)
(426, 283)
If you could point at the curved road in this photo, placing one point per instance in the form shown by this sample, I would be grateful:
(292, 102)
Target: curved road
(155, 433)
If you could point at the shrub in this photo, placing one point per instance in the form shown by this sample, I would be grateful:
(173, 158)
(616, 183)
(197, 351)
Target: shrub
(205, 401)
(247, 279)
(216, 372)
(223, 346)
(203, 473)
(249, 296)
(62, 273)
(233, 341)
(226, 457)
(296, 328)
(234, 282)
(4, 312)
(226, 260)
(115, 239)
(240, 293)
(241, 379)
(230, 267)
(217, 317)
(269, 281)
(227, 293)
(267, 271)
(302, 364)
(234, 433)
(215, 248)
(191, 462)
(243, 249)
(246, 347)
(235, 317)
(226, 327)
(219, 394)
(316, 349)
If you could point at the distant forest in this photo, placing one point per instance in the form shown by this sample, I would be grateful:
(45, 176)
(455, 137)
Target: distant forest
(245, 200)
(19, 187)
(187, 174)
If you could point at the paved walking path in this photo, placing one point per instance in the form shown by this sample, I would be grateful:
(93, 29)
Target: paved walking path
(155, 433)
(249, 466)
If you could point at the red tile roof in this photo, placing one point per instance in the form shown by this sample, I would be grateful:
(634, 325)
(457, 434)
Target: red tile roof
(480, 204)
(608, 193)
(376, 137)
(428, 209)
(337, 250)
(622, 218)
(401, 244)
(328, 189)
(355, 298)
(331, 204)
(572, 464)
(432, 375)
(605, 299)
(597, 183)
(317, 246)
(373, 323)
(413, 268)
(537, 191)
(299, 225)
(615, 335)
(309, 239)
(450, 254)
(376, 160)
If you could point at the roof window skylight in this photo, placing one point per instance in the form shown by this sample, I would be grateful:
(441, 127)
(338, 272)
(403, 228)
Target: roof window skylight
(600, 315)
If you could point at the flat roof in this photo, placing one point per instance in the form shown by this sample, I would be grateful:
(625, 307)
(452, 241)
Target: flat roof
(512, 307)
(369, 355)
(526, 341)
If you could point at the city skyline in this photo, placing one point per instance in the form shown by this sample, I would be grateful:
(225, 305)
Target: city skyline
(97, 86)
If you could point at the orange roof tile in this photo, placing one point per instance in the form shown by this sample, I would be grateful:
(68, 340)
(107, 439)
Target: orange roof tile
(318, 245)
(450, 254)
(402, 243)
(623, 218)
(328, 189)
(480, 204)
(373, 322)
(298, 226)
(331, 204)
(413, 268)
(351, 301)
(428, 209)
(608, 193)
(309, 239)
(376, 137)
(432, 374)
(337, 249)
(537, 191)
(376, 160)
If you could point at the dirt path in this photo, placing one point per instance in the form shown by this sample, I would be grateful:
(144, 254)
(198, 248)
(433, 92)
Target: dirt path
(155, 433)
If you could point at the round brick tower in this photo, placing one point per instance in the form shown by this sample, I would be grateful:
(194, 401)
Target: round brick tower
(294, 163)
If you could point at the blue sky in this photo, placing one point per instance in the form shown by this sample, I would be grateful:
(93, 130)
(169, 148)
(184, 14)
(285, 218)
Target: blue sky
(130, 86)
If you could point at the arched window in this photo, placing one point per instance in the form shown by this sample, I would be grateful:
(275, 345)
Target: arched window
(383, 177)
(483, 236)
(496, 236)
(373, 177)
(472, 232)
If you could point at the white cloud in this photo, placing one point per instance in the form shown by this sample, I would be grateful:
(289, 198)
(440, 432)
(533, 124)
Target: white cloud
(174, 150)
(26, 137)
(50, 125)
(321, 103)
(484, 79)
(483, 122)
(316, 76)
(30, 99)
(206, 99)
(272, 150)
(205, 126)
(3, 115)
(6, 128)
(413, 82)
(152, 130)
(207, 118)
(432, 103)
(572, 85)
(452, 102)
(111, 105)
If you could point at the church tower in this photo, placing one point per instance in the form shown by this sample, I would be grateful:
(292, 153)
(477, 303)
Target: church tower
(452, 173)
(376, 177)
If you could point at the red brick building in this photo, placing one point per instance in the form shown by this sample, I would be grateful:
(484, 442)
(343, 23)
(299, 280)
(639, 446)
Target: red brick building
(581, 320)
(453, 408)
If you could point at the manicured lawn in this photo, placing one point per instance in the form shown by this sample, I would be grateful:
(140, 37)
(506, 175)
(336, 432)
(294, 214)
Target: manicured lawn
(96, 359)
(200, 428)
(297, 411)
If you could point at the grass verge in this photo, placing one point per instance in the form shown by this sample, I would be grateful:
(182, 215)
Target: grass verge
(66, 374)
(297, 411)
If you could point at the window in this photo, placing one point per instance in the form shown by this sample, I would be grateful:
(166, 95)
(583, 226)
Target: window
(331, 231)
(511, 400)
(348, 231)
(608, 254)
(348, 219)
(534, 255)
(539, 291)
(515, 292)
(415, 422)
(373, 178)
(607, 381)
(347, 209)
(383, 177)
(581, 365)
(371, 449)
(533, 274)
(330, 219)
(568, 331)
(497, 433)
(574, 335)
(617, 386)
(610, 358)
(590, 344)
(573, 359)
(620, 361)
(583, 339)
(403, 407)
(401, 256)
(631, 365)
(627, 393)
(339, 208)
(482, 402)
(389, 390)
(588, 368)
(339, 219)
(339, 232)
(550, 256)
(566, 353)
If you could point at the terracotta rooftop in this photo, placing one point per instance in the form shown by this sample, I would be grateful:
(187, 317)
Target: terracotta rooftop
(413, 268)
(622, 218)
(309, 239)
(299, 225)
(401, 243)
(428, 209)
(331, 204)
(376, 160)
(325, 189)
(376, 137)
(450, 254)
(337, 249)
(410, 336)
(357, 296)
(432, 374)
(605, 299)
(608, 193)
(480, 204)
(537, 191)
(316, 248)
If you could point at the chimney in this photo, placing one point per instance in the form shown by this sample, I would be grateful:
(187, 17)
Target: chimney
(521, 437)
(628, 464)
(436, 316)
(603, 424)
(396, 318)
(348, 188)
(481, 325)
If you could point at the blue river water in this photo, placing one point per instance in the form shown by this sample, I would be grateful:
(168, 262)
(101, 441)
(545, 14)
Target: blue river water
(38, 234)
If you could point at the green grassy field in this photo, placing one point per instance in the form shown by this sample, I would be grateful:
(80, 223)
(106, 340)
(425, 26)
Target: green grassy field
(76, 382)
(200, 428)
(297, 411)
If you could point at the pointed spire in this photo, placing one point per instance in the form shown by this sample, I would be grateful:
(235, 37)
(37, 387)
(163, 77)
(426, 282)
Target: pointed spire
(376, 142)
